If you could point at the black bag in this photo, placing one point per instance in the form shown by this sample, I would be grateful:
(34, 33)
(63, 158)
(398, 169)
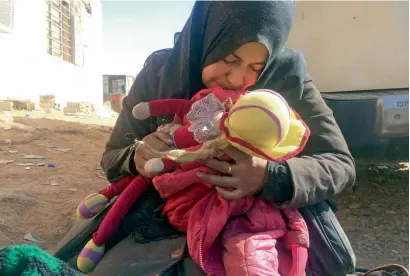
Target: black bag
(330, 253)
(143, 221)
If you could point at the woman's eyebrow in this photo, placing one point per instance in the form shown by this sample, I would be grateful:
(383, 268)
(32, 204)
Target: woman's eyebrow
(258, 63)
(235, 55)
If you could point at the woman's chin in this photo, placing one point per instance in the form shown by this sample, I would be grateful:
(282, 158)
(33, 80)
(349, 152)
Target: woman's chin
(216, 84)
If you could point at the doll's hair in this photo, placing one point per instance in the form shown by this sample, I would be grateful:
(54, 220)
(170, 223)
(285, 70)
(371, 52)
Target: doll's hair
(209, 149)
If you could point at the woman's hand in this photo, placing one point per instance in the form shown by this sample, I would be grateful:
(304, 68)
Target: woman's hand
(159, 141)
(248, 174)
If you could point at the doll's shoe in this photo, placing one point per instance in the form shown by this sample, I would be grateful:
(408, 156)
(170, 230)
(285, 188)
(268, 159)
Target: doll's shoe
(91, 206)
(90, 256)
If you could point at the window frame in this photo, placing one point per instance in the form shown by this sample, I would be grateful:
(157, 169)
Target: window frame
(59, 29)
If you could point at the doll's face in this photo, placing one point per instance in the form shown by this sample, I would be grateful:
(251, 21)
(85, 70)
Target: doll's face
(239, 70)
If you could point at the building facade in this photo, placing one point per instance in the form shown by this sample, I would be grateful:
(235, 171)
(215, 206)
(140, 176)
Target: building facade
(51, 47)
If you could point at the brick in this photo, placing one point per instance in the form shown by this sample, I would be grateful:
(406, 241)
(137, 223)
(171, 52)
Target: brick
(6, 106)
(77, 105)
(47, 98)
(70, 111)
(30, 106)
(46, 105)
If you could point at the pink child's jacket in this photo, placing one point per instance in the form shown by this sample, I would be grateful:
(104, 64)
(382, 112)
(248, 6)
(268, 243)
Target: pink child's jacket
(240, 237)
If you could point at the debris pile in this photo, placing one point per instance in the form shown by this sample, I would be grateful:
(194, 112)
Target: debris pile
(78, 108)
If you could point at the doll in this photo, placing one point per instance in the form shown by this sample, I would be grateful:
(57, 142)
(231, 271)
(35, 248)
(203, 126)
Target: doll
(202, 127)
(130, 188)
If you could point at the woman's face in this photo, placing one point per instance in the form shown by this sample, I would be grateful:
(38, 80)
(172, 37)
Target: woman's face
(239, 70)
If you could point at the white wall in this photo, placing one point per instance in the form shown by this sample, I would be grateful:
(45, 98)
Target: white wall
(27, 70)
(354, 45)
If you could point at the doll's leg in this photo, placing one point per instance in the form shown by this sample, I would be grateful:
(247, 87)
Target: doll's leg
(94, 249)
(95, 203)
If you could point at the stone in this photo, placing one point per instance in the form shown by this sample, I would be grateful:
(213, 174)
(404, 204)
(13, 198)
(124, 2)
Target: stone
(46, 105)
(19, 198)
(374, 205)
(354, 206)
(70, 111)
(31, 106)
(6, 106)
(76, 105)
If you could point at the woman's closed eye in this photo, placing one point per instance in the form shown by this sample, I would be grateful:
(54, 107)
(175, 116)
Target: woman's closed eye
(231, 59)
(258, 67)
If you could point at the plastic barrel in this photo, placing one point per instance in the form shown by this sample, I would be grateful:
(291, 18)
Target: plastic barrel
(116, 102)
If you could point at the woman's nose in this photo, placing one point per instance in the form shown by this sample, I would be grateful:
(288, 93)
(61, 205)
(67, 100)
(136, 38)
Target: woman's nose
(236, 77)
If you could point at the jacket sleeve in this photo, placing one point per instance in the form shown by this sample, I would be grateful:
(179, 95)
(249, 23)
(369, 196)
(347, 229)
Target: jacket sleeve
(323, 169)
(118, 158)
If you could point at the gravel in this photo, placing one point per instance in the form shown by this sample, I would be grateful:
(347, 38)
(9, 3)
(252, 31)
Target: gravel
(375, 214)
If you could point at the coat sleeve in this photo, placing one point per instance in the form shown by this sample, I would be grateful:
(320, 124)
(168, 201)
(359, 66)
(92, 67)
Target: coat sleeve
(118, 158)
(323, 169)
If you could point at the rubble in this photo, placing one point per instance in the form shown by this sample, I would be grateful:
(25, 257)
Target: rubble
(78, 108)
(47, 101)
(22, 104)
(6, 105)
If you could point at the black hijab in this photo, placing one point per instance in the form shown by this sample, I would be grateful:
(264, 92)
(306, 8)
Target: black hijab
(217, 28)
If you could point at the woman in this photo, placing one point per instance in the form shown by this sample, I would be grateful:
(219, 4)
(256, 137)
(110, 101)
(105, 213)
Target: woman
(218, 45)
(236, 45)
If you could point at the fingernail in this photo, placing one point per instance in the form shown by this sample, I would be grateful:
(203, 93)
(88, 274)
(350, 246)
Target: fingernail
(199, 174)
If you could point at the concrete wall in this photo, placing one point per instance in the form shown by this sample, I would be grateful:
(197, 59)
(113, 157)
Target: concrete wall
(354, 45)
(27, 70)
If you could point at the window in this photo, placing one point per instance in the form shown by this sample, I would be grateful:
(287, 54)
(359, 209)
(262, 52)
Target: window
(59, 29)
(6, 15)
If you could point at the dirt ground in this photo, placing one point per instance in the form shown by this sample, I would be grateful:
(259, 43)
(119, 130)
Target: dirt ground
(41, 200)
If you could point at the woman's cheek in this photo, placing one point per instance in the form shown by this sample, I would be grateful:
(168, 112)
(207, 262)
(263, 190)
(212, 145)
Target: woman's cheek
(250, 80)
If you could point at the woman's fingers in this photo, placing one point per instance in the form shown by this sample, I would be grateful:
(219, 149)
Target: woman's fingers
(141, 156)
(235, 154)
(164, 137)
(159, 141)
(223, 181)
(223, 167)
(230, 195)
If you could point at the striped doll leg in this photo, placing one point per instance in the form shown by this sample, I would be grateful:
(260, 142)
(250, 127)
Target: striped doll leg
(95, 203)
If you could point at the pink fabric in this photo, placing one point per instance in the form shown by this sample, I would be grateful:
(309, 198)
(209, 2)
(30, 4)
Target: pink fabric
(241, 237)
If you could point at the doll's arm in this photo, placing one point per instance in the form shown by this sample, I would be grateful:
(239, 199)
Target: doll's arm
(144, 110)
(157, 165)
